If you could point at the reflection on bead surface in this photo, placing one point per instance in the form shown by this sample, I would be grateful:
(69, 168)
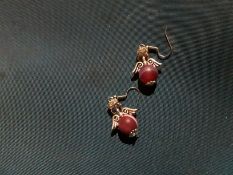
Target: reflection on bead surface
(127, 123)
(148, 74)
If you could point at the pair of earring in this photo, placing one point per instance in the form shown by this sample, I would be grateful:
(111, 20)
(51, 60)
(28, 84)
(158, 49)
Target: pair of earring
(146, 71)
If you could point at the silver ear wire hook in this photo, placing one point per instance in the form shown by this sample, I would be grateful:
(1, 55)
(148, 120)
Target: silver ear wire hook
(124, 97)
(154, 49)
(114, 104)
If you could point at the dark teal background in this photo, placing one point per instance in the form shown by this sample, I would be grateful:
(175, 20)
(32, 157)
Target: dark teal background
(60, 61)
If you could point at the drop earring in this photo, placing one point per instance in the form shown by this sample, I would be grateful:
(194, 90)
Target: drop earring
(123, 118)
(146, 68)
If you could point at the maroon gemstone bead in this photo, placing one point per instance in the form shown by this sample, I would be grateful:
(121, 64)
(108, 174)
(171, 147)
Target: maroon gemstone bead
(127, 124)
(148, 74)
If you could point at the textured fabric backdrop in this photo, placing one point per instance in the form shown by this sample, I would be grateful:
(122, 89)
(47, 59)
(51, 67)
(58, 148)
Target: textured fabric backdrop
(60, 61)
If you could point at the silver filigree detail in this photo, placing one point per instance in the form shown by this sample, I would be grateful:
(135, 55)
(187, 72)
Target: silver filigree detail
(115, 120)
(133, 133)
(129, 111)
(153, 62)
(137, 67)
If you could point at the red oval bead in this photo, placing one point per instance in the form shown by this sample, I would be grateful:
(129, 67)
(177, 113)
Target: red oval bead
(127, 124)
(148, 74)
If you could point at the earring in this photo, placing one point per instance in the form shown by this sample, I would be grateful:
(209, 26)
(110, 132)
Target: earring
(146, 69)
(123, 118)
